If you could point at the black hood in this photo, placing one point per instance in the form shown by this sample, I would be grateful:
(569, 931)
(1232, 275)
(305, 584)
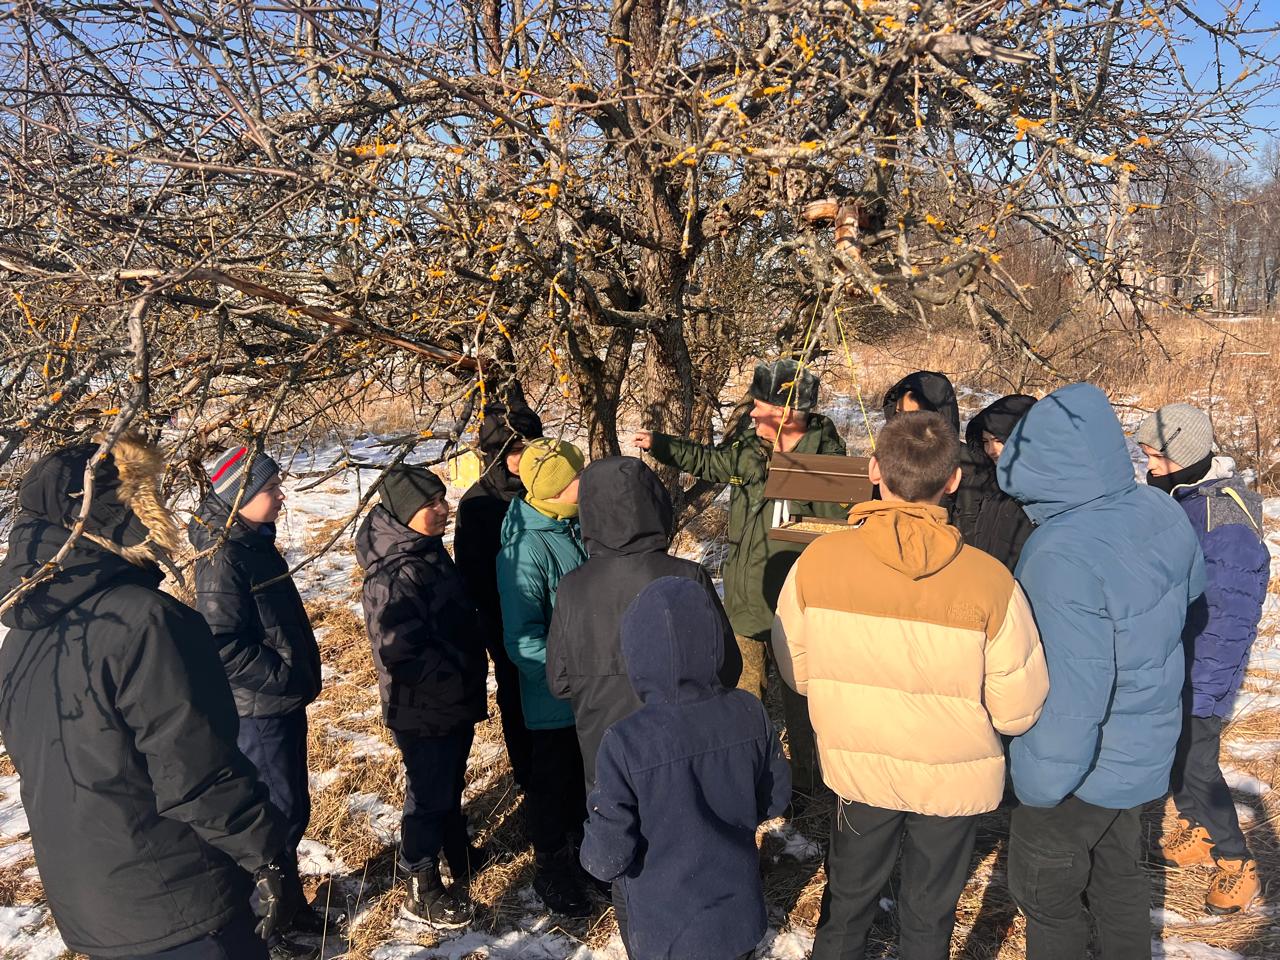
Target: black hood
(1001, 417)
(382, 536)
(932, 390)
(998, 419)
(624, 509)
(52, 490)
(502, 424)
(87, 570)
(49, 499)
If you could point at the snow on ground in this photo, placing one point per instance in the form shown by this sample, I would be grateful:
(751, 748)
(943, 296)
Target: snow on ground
(363, 745)
(1173, 949)
(13, 819)
(794, 843)
(383, 819)
(315, 859)
(1244, 783)
(23, 933)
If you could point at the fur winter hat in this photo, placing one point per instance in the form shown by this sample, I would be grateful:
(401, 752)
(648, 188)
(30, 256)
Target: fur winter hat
(548, 466)
(1179, 431)
(783, 384)
(126, 513)
(405, 490)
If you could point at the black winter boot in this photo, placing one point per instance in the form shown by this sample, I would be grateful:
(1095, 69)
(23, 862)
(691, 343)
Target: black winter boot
(311, 922)
(431, 902)
(559, 881)
(465, 861)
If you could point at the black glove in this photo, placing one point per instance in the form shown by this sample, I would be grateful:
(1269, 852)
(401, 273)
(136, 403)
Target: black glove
(268, 889)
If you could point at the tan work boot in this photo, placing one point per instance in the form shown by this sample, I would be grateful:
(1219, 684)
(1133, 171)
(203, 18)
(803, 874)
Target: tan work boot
(1234, 887)
(1188, 847)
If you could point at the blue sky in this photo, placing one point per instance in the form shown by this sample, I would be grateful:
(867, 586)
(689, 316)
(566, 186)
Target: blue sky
(1199, 58)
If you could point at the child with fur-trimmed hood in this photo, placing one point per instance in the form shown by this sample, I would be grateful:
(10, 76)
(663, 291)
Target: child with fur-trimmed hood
(146, 819)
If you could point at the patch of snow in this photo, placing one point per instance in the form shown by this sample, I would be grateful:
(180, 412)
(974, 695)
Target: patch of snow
(363, 745)
(1242, 782)
(790, 945)
(22, 934)
(16, 853)
(1250, 703)
(795, 845)
(327, 672)
(1244, 814)
(1254, 749)
(383, 819)
(317, 860)
(1190, 950)
(319, 782)
(13, 819)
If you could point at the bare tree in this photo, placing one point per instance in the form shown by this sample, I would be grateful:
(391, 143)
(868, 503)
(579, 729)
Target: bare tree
(608, 202)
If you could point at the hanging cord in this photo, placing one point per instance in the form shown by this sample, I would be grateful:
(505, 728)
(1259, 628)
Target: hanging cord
(857, 387)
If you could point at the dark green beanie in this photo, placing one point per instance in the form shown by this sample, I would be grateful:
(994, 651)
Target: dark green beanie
(405, 490)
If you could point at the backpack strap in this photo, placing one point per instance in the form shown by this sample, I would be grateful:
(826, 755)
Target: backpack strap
(1234, 495)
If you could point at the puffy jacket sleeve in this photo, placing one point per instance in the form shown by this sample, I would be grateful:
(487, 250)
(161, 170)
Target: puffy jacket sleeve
(611, 839)
(171, 693)
(400, 627)
(1079, 646)
(788, 634)
(1017, 680)
(524, 587)
(224, 597)
(1237, 567)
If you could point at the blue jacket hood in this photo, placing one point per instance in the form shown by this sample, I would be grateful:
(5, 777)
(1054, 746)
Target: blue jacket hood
(673, 642)
(1067, 451)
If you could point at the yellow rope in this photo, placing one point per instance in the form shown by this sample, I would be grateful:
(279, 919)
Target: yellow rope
(804, 352)
(857, 388)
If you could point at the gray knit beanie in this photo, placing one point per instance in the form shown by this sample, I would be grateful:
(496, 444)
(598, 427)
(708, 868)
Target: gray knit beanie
(1180, 432)
(228, 474)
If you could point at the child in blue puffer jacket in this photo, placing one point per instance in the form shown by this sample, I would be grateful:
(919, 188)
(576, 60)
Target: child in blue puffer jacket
(1220, 629)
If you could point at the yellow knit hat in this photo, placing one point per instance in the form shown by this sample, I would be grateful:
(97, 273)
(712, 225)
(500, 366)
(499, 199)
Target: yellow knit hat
(547, 466)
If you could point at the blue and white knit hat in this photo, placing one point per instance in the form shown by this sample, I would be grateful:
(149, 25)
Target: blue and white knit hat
(228, 473)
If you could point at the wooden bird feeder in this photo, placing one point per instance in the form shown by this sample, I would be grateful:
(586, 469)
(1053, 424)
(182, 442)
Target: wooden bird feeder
(812, 477)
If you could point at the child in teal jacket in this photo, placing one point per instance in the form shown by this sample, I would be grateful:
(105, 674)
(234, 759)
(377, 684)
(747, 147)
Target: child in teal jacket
(540, 544)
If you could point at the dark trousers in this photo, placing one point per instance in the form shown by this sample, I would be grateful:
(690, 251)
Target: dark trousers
(435, 774)
(1061, 858)
(514, 733)
(557, 806)
(620, 915)
(1200, 792)
(235, 941)
(277, 746)
(864, 848)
